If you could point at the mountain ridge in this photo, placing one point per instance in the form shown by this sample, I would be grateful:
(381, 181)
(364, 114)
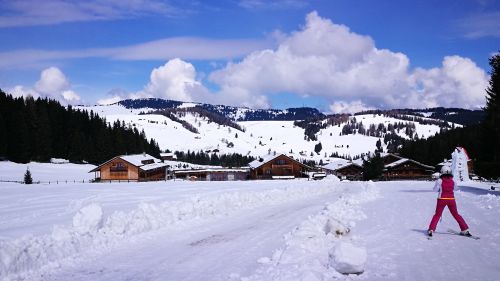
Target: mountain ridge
(456, 115)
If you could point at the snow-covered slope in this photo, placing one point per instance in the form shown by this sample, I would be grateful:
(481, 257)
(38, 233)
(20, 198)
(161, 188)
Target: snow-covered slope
(258, 137)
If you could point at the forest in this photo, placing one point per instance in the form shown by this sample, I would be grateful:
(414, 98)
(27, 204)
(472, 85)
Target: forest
(40, 129)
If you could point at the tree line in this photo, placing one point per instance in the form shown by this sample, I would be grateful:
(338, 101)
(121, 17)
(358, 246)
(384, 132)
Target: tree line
(40, 129)
(214, 159)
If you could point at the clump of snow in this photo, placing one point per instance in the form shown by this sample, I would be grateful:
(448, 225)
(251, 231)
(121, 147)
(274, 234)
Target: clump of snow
(88, 219)
(58, 161)
(347, 258)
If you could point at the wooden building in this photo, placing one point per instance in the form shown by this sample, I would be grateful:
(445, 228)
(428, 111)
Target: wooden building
(213, 174)
(406, 169)
(168, 156)
(277, 166)
(344, 170)
(139, 167)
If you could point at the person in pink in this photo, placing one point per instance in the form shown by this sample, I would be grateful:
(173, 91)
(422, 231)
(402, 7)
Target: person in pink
(445, 186)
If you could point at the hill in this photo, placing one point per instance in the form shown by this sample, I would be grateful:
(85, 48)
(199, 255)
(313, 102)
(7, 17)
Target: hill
(303, 133)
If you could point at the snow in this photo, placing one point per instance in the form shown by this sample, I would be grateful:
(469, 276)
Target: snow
(348, 259)
(259, 138)
(245, 230)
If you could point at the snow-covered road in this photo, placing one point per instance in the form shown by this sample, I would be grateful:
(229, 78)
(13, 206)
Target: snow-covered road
(211, 250)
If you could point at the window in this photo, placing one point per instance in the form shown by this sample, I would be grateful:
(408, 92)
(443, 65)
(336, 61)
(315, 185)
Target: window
(118, 167)
(280, 162)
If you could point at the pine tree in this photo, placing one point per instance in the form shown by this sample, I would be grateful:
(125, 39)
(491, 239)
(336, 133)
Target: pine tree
(27, 177)
(491, 125)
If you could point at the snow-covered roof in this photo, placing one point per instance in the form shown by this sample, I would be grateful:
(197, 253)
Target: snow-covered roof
(257, 163)
(210, 170)
(337, 164)
(404, 160)
(168, 154)
(152, 166)
(136, 159)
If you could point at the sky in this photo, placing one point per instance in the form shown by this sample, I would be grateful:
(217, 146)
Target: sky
(335, 55)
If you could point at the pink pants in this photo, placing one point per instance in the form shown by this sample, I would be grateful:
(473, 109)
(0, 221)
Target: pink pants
(452, 206)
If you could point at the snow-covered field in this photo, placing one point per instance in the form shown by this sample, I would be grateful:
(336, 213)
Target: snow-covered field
(249, 230)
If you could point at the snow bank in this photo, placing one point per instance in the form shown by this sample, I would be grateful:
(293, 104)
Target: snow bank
(317, 249)
(91, 230)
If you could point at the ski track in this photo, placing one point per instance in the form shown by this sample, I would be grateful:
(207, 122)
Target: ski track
(211, 250)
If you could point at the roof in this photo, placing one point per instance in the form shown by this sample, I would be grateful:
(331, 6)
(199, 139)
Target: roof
(134, 159)
(339, 164)
(404, 160)
(168, 154)
(267, 158)
(152, 166)
(220, 170)
(257, 163)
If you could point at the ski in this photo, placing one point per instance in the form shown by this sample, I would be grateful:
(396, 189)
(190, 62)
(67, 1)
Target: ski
(458, 233)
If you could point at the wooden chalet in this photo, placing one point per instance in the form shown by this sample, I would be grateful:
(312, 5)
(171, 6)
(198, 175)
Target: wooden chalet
(407, 169)
(344, 170)
(213, 174)
(138, 167)
(277, 166)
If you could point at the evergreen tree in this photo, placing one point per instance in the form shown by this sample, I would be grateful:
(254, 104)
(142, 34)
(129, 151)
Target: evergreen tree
(491, 125)
(373, 167)
(318, 147)
(27, 177)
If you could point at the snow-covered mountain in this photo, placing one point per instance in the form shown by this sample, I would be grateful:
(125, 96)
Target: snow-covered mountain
(180, 126)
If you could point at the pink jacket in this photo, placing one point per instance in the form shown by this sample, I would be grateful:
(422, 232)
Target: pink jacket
(445, 187)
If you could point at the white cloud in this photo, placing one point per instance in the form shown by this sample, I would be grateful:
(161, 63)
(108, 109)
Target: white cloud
(480, 25)
(272, 5)
(176, 80)
(21, 91)
(189, 48)
(53, 84)
(348, 107)
(48, 12)
(330, 61)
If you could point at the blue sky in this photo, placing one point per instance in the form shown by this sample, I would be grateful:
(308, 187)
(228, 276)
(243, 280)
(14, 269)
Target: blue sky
(335, 55)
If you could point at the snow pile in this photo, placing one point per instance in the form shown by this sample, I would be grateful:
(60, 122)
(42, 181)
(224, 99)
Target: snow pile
(316, 250)
(90, 230)
(88, 219)
(348, 259)
(59, 161)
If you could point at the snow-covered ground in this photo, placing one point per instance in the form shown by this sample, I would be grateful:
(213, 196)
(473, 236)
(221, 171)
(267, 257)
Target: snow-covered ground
(249, 230)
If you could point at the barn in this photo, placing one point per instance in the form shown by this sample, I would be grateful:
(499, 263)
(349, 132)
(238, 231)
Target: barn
(277, 166)
(138, 167)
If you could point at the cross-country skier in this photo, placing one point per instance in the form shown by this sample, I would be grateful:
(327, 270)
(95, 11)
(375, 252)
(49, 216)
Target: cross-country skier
(445, 186)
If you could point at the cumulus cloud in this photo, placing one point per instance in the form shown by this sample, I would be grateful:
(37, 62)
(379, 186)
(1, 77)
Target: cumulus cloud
(348, 107)
(53, 84)
(329, 60)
